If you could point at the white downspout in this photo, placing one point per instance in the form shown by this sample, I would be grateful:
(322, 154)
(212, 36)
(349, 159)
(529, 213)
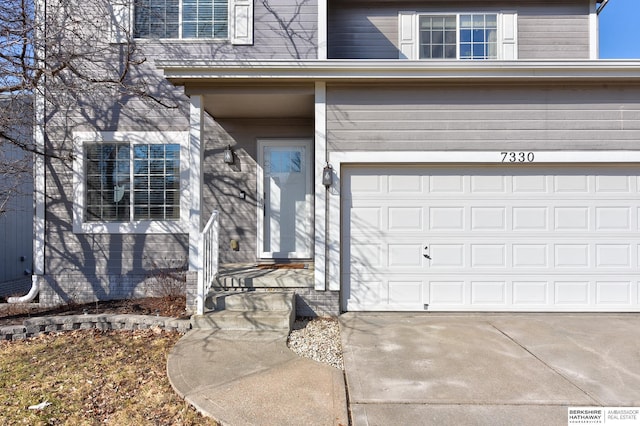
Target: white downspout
(38, 168)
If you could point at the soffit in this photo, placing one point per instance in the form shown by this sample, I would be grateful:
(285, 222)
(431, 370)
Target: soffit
(254, 99)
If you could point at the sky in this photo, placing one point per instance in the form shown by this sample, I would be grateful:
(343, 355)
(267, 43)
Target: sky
(620, 30)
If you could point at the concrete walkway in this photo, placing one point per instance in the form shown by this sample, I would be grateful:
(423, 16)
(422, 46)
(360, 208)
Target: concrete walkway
(488, 369)
(252, 378)
(418, 369)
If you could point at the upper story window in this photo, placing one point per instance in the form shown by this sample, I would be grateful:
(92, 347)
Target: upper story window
(469, 36)
(456, 36)
(181, 19)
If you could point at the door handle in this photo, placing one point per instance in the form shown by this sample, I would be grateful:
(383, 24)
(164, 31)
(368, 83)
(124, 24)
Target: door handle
(425, 254)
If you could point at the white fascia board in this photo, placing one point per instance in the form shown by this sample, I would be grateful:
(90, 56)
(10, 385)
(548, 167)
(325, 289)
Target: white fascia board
(484, 157)
(181, 71)
(594, 51)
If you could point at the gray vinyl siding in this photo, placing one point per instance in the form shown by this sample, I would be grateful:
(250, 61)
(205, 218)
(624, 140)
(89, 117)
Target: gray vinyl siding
(16, 231)
(362, 31)
(16, 197)
(285, 30)
(547, 29)
(554, 31)
(562, 117)
(86, 267)
(223, 183)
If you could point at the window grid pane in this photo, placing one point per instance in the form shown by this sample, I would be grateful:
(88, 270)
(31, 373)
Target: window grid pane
(438, 37)
(107, 182)
(200, 18)
(156, 18)
(476, 37)
(156, 182)
(204, 19)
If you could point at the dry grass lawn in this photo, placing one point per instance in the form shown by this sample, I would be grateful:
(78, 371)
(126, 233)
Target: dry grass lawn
(91, 377)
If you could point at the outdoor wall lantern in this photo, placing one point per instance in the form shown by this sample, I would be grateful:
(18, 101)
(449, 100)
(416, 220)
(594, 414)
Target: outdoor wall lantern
(327, 175)
(228, 155)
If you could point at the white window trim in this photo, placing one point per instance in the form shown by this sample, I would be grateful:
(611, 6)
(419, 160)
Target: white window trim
(239, 23)
(409, 34)
(80, 226)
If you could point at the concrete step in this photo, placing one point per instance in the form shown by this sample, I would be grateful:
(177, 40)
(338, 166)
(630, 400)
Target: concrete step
(216, 299)
(232, 310)
(267, 301)
(236, 276)
(247, 321)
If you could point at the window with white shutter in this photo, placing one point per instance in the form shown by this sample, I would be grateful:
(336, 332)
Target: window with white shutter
(457, 36)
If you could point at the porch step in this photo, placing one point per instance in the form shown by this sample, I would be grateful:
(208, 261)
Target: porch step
(237, 276)
(267, 301)
(248, 311)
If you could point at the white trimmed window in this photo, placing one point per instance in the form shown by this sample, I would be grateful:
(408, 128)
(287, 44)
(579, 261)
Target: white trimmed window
(130, 182)
(183, 19)
(461, 36)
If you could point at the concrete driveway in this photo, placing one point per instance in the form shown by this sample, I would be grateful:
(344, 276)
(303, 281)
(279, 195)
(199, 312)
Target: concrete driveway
(487, 369)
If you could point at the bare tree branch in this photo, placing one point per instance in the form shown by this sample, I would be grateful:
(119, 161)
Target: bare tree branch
(70, 52)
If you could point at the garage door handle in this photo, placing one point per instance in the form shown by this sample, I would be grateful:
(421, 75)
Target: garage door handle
(426, 254)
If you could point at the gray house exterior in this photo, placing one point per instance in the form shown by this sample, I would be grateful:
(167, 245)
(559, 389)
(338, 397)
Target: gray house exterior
(410, 156)
(16, 199)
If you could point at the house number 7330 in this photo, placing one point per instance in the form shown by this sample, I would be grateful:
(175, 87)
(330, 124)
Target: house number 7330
(517, 157)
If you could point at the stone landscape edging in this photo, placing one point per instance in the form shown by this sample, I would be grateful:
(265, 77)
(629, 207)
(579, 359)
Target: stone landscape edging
(51, 324)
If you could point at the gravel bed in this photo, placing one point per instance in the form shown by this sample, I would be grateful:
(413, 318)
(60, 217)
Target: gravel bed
(318, 339)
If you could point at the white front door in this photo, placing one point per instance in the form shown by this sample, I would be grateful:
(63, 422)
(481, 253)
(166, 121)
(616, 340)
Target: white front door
(285, 225)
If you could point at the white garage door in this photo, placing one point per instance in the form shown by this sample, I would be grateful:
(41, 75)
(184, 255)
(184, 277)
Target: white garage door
(527, 238)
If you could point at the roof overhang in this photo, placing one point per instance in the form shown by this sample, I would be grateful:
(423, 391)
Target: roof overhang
(186, 72)
(271, 89)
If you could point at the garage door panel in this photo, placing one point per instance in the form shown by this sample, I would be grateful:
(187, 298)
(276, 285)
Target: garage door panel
(613, 218)
(488, 293)
(406, 184)
(488, 256)
(489, 183)
(614, 184)
(571, 218)
(405, 218)
(405, 292)
(535, 293)
(488, 218)
(530, 256)
(571, 184)
(446, 184)
(572, 256)
(446, 218)
(572, 293)
(613, 255)
(405, 255)
(485, 238)
(526, 185)
(530, 218)
(443, 293)
(617, 292)
(446, 256)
